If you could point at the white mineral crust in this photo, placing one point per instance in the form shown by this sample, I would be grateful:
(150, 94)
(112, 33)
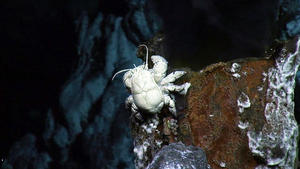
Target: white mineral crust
(243, 102)
(281, 130)
(235, 68)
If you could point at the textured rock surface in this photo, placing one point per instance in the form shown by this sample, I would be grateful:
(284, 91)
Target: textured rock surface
(242, 112)
(178, 155)
(90, 129)
(25, 155)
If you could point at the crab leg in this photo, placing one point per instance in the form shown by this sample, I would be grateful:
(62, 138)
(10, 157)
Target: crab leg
(130, 103)
(172, 77)
(171, 103)
(182, 89)
(129, 100)
(134, 109)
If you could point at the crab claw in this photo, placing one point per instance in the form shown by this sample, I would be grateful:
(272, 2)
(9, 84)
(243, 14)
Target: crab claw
(159, 68)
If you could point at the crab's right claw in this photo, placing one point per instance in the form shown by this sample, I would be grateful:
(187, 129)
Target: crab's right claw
(159, 68)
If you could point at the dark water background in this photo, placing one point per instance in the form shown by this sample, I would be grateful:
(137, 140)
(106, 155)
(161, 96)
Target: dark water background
(40, 50)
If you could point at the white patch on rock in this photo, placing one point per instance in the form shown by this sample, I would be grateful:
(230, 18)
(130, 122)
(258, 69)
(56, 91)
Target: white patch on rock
(145, 143)
(281, 130)
(150, 126)
(243, 102)
(158, 143)
(236, 75)
(222, 164)
(264, 76)
(140, 151)
(262, 167)
(235, 68)
(260, 88)
(243, 125)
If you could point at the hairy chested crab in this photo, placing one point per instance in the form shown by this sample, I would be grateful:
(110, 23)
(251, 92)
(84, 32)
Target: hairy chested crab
(150, 88)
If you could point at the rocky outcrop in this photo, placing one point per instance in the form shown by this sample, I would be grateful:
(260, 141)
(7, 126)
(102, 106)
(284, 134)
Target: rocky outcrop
(241, 113)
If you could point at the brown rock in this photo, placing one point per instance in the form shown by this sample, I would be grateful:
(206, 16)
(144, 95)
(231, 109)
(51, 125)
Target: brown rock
(214, 115)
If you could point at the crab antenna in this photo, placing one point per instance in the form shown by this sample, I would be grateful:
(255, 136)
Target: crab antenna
(146, 65)
(119, 72)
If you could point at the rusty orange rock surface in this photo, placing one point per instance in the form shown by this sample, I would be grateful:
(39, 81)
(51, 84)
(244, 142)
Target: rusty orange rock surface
(214, 115)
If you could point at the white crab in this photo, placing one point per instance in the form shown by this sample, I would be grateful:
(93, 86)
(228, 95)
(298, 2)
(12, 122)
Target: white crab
(150, 88)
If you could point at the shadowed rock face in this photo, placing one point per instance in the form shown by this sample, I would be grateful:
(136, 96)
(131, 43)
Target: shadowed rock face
(238, 29)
